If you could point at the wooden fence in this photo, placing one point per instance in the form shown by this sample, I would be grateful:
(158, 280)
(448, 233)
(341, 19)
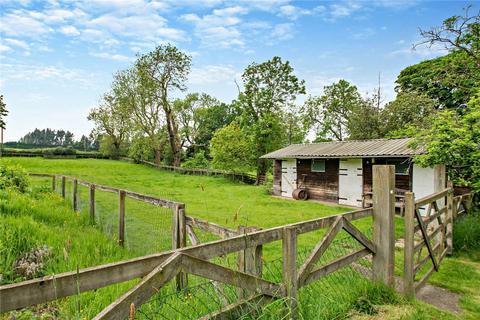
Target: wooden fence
(156, 270)
(432, 231)
(175, 206)
(237, 176)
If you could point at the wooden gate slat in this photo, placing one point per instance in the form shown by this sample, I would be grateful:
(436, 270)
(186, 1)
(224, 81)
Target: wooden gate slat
(319, 250)
(427, 239)
(359, 236)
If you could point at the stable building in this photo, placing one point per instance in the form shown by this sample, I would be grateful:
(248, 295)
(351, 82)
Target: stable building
(341, 171)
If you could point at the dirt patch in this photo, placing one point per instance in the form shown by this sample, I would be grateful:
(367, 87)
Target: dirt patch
(440, 298)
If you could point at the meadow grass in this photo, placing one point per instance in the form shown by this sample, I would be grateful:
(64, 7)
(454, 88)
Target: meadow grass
(228, 203)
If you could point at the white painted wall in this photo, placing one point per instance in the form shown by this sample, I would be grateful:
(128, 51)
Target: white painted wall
(350, 182)
(289, 177)
(426, 181)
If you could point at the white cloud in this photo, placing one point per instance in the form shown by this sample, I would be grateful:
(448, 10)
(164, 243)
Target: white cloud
(293, 13)
(25, 72)
(211, 74)
(17, 43)
(69, 31)
(344, 9)
(20, 24)
(422, 51)
(4, 48)
(220, 28)
(111, 56)
(282, 31)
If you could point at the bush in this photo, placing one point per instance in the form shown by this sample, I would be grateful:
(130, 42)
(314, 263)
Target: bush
(61, 151)
(466, 232)
(13, 177)
(197, 161)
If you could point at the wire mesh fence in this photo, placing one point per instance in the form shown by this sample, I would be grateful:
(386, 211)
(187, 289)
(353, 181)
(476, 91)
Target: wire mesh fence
(148, 227)
(327, 298)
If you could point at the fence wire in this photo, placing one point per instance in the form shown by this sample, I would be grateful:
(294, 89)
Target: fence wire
(326, 298)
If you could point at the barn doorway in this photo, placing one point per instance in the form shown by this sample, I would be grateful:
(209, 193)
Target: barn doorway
(289, 177)
(350, 180)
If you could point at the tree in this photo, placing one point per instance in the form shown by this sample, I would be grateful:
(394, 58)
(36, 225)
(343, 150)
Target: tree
(232, 149)
(332, 113)
(270, 88)
(3, 113)
(160, 72)
(407, 114)
(453, 139)
(457, 33)
(452, 79)
(112, 119)
(191, 112)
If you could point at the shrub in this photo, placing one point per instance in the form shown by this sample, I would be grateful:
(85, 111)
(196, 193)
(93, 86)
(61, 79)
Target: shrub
(62, 151)
(466, 232)
(197, 161)
(13, 177)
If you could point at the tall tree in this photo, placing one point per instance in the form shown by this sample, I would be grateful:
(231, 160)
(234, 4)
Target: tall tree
(3, 115)
(112, 119)
(452, 79)
(333, 112)
(270, 88)
(407, 114)
(162, 71)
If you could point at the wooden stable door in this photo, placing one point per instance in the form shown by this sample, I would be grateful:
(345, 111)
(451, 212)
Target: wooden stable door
(350, 180)
(289, 177)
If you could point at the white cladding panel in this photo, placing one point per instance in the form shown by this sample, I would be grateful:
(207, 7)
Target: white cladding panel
(289, 177)
(350, 182)
(426, 181)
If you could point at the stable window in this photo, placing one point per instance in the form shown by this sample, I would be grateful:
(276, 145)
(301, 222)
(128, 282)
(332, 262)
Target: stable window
(318, 165)
(401, 166)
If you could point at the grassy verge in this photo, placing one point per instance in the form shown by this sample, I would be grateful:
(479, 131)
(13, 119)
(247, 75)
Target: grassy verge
(41, 221)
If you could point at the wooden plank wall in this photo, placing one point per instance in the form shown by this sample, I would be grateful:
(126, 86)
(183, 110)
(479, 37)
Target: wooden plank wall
(321, 185)
(401, 181)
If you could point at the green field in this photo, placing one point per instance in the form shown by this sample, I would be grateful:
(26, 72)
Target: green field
(217, 200)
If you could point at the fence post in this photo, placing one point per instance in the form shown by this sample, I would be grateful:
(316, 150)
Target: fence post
(383, 223)
(74, 195)
(179, 240)
(63, 187)
(246, 259)
(121, 218)
(54, 183)
(289, 274)
(409, 242)
(91, 201)
(449, 217)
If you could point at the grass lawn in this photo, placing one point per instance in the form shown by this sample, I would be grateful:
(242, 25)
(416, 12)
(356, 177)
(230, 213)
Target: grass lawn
(230, 204)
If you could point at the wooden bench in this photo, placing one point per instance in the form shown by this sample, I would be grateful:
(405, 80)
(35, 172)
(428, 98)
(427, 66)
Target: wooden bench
(367, 200)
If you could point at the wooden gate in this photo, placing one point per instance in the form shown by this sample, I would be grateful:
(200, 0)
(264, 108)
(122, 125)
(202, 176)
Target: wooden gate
(429, 235)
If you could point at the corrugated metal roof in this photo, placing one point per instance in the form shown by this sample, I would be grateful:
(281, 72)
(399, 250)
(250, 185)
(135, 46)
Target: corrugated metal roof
(347, 149)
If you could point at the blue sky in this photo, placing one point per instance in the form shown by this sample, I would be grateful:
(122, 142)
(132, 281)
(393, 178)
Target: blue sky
(58, 57)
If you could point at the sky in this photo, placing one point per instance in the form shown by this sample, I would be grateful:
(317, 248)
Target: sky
(58, 57)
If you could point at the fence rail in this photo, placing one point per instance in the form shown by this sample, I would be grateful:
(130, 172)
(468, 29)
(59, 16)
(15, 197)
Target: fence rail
(238, 176)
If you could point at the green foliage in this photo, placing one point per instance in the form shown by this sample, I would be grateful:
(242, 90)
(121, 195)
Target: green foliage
(332, 113)
(408, 113)
(109, 147)
(48, 138)
(449, 80)
(270, 89)
(197, 161)
(3, 112)
(61, 151)
(13, 177)
(466, 238)
(231, 149)
(141, 149)
(453, 139)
